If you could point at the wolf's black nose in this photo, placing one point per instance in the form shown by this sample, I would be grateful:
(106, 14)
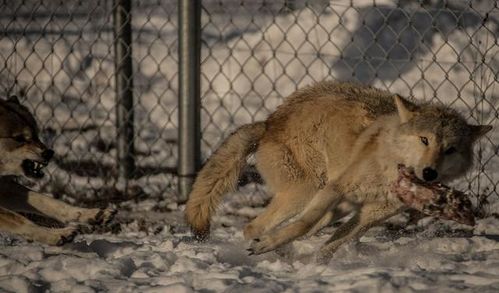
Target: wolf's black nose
(47, 155)
(429, 174)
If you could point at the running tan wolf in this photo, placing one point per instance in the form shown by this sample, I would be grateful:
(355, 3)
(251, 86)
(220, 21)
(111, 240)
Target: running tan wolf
(329, 150)
(23, 154)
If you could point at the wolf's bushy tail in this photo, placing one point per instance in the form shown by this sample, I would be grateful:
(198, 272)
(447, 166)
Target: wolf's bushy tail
(220, 175)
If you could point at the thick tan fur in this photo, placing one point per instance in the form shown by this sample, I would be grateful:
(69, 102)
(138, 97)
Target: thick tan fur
(332, 149)
(220, 175)
(19, 143)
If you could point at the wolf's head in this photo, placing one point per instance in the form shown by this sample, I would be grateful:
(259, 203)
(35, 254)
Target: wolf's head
(436, 141)
(21, 151)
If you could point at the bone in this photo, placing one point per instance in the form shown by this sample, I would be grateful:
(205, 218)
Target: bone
(432, 199)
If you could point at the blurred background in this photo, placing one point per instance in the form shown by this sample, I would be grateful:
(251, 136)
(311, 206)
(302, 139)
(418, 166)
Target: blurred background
(59, 57)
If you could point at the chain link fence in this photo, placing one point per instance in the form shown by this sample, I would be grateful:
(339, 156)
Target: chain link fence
(59, 56)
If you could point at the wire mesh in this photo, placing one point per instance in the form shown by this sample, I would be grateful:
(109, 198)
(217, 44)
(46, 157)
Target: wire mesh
(257, 52)
(59, 56)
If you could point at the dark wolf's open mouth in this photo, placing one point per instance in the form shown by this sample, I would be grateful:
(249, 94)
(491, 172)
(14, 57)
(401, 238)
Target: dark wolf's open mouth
(33, 169)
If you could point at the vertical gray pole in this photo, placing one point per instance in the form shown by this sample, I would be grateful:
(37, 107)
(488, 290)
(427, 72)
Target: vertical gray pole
(189, 94)
(124, 87)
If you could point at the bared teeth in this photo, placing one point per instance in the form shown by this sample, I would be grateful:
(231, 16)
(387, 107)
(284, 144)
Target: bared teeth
(33, 168)
(38, 166)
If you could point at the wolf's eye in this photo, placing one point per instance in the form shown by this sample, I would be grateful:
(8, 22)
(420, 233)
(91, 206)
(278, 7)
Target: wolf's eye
(450, 151)
(424, 140)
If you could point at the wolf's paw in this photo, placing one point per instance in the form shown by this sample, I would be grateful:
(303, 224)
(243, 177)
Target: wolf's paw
(86, 228)
(325, 253)
(103, 216)
(66, 238)
(64, 235)
(251, 232)
(261, 245)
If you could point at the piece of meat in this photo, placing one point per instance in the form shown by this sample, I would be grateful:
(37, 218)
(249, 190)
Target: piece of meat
(432, 199)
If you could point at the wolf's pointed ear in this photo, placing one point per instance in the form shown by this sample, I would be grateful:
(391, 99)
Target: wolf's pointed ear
(404, 113)
(478, 131)
(13, 99)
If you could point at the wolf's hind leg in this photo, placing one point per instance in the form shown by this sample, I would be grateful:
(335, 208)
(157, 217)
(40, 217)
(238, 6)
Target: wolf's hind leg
(293, 187)
(21, 199)
(283, 206)
(14, 223)
(324, 200)
(342, 210)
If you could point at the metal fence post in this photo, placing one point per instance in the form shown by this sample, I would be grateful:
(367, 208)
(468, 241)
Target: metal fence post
(189, 94)
(124, 87)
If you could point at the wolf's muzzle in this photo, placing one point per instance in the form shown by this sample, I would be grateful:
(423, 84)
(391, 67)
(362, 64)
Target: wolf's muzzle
(34, 169)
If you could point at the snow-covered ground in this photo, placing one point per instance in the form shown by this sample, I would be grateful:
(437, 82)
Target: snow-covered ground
(253, 55)
(156, 253)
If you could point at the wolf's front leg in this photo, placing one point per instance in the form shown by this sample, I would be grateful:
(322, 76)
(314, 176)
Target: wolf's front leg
(21, 199)
(14, 223)
(323, 201)
(368, 216)
(67, 213)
